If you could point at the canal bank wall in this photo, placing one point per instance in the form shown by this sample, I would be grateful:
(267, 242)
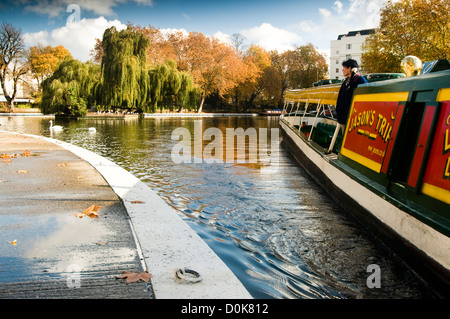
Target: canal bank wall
(182, 265)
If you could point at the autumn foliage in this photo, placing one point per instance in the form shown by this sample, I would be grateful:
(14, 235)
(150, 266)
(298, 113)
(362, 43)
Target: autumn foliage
(44, 60)
(146, 70)
(408, 27)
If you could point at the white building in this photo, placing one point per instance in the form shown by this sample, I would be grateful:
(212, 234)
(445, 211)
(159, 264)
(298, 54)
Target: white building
(347, 46)
(26, 86)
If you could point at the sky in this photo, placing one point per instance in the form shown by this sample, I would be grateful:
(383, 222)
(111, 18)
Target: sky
(274, 25)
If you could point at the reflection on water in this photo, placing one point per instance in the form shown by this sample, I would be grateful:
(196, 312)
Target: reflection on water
(276, 229)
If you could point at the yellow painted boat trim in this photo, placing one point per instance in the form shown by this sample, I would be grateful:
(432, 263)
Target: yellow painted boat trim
(381, 97)
(443, 95)
(361, 160)
(436, 192)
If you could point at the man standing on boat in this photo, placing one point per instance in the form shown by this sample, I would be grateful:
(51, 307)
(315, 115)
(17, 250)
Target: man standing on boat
(351, 81)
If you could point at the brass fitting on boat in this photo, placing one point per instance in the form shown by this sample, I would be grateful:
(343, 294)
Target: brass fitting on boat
(412, 65)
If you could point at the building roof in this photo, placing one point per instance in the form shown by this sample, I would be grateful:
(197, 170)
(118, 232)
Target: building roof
(354, 33)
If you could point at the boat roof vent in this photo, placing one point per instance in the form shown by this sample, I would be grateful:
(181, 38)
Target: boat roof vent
(435, 66)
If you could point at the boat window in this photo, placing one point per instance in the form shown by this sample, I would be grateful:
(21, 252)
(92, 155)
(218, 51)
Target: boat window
(406, 141)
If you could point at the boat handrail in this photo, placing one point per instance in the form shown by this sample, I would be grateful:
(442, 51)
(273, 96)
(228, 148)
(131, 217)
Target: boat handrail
(323, 96)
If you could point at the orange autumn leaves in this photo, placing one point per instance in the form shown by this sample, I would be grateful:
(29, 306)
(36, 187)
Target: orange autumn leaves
(8, 157)
(131, 276)
(91, 211)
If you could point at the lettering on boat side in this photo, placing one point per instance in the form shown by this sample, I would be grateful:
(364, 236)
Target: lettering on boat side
(368, 132)
(214, 146)
(367, 118)
(446, 150)
(436, 180)
(374, 279)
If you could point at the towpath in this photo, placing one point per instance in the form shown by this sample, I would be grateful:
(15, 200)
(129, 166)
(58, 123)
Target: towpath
(49, 248)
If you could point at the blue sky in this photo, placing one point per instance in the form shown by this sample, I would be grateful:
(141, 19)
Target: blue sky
(279, 25)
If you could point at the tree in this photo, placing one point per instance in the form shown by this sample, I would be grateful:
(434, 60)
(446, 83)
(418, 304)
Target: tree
(256, 60)
(238, 43)
(281, 66)
(138, 73)
(408, 27)
(97, 52)
(170, 87)
(13, 64)
(271, 81)
(308, 66)
(215, 66)
(44, 60)
(124, 68)
(299, 68)
(71, 88)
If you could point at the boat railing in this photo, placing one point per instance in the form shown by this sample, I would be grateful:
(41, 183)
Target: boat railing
(323, 97)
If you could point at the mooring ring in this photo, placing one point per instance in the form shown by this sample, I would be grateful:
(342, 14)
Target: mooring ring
(187, 275)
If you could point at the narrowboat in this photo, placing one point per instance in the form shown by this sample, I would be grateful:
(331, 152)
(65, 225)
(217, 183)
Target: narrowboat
(389, 166)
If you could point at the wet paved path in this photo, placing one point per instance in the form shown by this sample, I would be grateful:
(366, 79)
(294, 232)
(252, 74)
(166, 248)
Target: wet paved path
(45, 250)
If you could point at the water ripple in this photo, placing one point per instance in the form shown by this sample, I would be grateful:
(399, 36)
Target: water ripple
(275, 228)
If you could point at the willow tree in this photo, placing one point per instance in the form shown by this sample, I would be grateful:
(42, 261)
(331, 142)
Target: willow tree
(189, 94)
(169, 87)
(125, 78)
(71, 88)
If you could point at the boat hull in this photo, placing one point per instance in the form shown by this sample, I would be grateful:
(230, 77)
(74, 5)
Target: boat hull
(424, 249)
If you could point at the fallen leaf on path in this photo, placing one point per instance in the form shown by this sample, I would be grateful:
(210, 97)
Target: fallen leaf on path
(7, 157)
(101, 243)
(14, 242)
(22, 171)
(91, 211)
(137, 202)
(131, 276)
(62, 164)
(26, 153)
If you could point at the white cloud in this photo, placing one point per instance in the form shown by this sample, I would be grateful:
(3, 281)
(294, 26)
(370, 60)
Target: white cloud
(77, 37)
(35, 38)
(222, 37)
(339, 19)
(168, 31)
(271, 38)
(324, 13)
(337, 6)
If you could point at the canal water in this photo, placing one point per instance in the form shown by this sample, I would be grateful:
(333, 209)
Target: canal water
(276, 229)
